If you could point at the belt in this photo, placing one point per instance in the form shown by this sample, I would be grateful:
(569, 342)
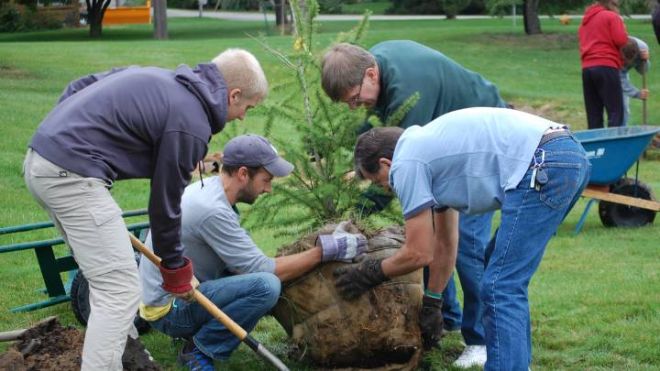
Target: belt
(554, 133)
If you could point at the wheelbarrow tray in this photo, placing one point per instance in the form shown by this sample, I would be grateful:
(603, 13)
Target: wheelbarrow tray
(612, 151)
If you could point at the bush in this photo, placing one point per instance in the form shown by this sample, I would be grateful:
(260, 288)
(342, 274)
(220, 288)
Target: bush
(33, 20)
(415, 7)
(330, 6)
(224, 4)
(636, 7)
(182, 4)
(10, 18)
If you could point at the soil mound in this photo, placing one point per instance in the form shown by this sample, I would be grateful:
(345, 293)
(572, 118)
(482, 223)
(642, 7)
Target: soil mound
(379, 330)
(50, 346)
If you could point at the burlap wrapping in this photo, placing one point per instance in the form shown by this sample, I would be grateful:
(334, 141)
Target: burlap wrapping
(379, 330)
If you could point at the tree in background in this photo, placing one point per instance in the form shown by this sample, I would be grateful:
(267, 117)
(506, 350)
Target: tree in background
(95, 12)
(451, 8)
(532, 9)
(415, 7)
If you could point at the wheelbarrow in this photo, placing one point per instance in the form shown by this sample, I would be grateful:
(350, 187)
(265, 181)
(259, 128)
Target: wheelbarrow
(624, 201)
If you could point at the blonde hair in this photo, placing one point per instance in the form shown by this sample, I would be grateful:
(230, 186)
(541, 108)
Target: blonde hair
(241, 70)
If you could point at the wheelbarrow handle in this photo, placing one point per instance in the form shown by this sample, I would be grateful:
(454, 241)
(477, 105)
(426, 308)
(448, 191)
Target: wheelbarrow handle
(218, 314)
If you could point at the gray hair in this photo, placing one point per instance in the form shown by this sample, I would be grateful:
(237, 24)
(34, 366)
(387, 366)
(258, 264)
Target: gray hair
(241, 70)
(343, 68)
(373, 145)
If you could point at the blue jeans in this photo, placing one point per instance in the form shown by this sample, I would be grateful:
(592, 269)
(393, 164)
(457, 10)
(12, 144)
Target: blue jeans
(474, 234)
(244, 298)
(529, 219)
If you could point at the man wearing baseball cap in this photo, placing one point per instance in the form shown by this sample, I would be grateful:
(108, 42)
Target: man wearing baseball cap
(234, 273)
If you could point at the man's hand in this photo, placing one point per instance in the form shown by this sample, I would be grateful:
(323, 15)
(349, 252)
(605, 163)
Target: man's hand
(179, 281)
(342, 245)
(210, 164)
(354, 281)
(643, 93)
(644, 55)
(430, 321)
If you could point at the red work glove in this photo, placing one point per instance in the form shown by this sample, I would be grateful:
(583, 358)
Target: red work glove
(177, 280)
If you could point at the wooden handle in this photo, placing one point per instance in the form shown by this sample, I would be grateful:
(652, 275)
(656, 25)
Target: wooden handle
(644, 109)
(213, 309)
(198, 296)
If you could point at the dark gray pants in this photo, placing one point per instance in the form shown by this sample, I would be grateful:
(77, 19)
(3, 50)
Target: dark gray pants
(602, 89)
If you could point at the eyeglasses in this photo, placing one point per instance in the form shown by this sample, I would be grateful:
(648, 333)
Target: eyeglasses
(355, 100)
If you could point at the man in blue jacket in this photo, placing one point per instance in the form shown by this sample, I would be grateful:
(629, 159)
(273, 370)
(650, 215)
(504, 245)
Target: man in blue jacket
(136, 122)
(383, 79)
(474, 160)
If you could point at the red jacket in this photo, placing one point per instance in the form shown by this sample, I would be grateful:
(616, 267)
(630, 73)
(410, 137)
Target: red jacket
(601, 34)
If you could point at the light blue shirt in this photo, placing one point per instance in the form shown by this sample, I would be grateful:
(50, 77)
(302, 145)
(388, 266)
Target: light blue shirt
(465, 159)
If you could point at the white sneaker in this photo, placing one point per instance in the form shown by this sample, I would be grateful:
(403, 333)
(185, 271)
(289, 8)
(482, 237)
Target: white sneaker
(473, 355)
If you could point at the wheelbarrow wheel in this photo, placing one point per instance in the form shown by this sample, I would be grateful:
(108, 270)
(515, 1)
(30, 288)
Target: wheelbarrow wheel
(618, 215)
(80, 303)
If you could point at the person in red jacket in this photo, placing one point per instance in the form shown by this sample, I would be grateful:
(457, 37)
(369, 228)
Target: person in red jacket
(601, 35)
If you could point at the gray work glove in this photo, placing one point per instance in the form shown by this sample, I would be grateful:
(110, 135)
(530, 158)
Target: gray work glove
(430, 321)
(351, 282)
(342, 245)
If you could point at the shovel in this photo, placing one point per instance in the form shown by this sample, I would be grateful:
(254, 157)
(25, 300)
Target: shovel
(644, 110)
(232, 326)
(16, 334)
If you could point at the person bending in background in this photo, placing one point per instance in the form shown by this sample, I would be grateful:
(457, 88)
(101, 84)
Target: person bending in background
(635, 55)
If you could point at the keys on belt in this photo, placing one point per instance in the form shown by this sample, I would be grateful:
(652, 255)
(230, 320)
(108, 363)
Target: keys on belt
(539, 175)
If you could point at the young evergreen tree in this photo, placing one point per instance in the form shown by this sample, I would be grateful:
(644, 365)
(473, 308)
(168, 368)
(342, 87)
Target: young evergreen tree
(321, 189)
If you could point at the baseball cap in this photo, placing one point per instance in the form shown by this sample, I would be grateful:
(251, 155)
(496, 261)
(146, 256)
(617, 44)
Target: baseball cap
(253, 151)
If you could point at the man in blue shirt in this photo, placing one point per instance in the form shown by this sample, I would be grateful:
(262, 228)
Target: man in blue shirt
(474, 160)
(384, 79)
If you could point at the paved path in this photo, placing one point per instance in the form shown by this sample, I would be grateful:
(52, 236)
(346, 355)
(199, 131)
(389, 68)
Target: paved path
(256, 16)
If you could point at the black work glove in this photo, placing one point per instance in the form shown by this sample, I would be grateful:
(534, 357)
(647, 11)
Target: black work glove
(430, 321)
(351, 282)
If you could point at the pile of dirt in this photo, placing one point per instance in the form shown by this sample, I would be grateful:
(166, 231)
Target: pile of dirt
(379, 330)
(50, 346)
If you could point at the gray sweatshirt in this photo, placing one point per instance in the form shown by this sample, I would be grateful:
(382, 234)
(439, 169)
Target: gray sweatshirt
(139, 122)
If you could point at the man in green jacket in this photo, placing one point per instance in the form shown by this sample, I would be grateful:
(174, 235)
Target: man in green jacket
(389, 77)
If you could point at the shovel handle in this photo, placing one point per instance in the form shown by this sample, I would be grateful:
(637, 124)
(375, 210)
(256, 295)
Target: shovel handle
(644, 109)
(218, 314)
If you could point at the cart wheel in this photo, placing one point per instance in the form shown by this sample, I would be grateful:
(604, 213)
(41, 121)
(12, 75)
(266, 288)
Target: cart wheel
(617, 215)
(80, 303)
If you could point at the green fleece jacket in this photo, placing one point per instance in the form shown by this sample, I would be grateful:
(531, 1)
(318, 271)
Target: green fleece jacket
(407, 67)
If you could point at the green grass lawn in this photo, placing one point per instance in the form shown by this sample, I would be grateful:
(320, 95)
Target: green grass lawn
(594, 301)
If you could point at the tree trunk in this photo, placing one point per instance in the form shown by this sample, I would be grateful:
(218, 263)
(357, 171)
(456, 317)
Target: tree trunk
(95, 11)
(280, 13)
(160, 19)
(531, 17)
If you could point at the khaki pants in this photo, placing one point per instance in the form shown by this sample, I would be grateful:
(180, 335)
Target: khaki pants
(90, 222)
